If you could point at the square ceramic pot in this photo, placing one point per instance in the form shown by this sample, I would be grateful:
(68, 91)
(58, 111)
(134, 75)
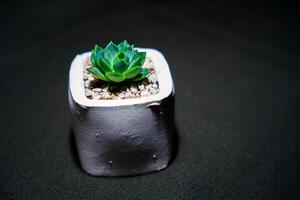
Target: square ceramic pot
(127, 136)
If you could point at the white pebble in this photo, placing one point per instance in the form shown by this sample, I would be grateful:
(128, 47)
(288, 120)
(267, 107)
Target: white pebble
(88, 92)
(141, 87)
(148, 87)
(97, 97)
(85, 76)
(128, 95)
(91, 78)
(97, 89)
(106, 96)
(153, 91)
(95, 94)
(87, 84)
(152, 78)
(133, 88)
(121, 95)
(105, 89)
(144, 93)
(113, 96)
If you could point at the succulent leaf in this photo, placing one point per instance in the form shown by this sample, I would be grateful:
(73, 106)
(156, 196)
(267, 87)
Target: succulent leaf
(120, 66)
(138, 60)
(95, 53)
(97, 73)
(123, 45)
(106, 67)
(115, 77)
(141, 75)
(117, 63)
(142, 57)
(107, 55)
(130, 54)
(112, 48)
(131, 73)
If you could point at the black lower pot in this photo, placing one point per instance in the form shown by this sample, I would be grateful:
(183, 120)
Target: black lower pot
(125, 140)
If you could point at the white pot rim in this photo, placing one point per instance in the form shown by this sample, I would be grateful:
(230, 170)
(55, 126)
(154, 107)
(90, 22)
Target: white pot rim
(76, 82)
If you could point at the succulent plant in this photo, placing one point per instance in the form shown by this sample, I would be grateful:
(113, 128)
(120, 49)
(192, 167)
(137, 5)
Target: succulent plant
(118, 63)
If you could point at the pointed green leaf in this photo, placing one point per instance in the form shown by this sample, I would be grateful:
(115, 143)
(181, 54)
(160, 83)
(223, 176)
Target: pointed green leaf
(145, 72)
(115, 77)
(131, 73)
(99, 56)
(97, 48)
(142, 57)
(108, 56)
(123, 45)
(97, 73)
(138, 60)
(130, 55)
(142, 74)
(104, 65)
(95, 55)
(120, 66)
(93, 59)
(112, 48)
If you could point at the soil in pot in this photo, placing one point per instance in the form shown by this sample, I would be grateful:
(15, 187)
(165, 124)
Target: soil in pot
(97, 89)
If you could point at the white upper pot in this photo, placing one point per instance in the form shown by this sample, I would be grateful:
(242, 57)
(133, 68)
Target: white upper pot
(161, 68)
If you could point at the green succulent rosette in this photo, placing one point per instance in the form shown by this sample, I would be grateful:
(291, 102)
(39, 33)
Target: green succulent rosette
(118, 63)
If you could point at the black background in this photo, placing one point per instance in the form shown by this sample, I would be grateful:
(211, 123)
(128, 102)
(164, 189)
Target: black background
(236, 71)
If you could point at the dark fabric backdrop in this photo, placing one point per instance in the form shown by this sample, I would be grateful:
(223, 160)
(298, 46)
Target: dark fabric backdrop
(236, 71)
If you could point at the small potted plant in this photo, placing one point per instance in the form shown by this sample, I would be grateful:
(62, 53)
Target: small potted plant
(122, 104)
